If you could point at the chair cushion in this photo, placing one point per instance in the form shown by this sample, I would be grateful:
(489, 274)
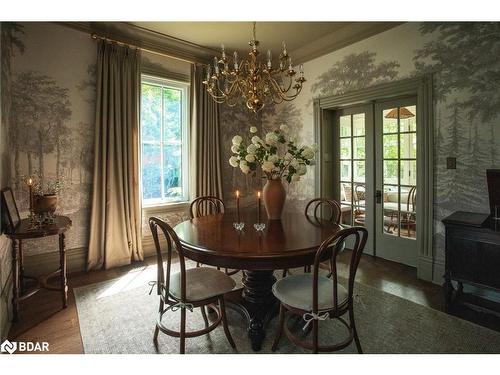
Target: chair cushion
(296, 291)
(201, 283)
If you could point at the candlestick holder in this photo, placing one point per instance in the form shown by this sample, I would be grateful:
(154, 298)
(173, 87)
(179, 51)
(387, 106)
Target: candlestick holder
(239, 226)
(259, 227)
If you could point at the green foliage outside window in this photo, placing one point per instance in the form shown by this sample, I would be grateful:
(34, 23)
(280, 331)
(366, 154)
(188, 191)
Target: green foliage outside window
(161, 138)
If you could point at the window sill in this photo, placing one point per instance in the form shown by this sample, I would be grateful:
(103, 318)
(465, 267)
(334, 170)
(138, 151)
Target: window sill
(166, 207)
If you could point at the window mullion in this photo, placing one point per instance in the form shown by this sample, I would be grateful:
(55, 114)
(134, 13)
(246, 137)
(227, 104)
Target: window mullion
(162, 173)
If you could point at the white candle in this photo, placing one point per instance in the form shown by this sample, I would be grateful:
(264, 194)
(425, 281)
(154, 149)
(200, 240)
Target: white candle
(238, 205)
(30, 186)
(216, 65)
(258, 207)
(235, 55)
(209, 72)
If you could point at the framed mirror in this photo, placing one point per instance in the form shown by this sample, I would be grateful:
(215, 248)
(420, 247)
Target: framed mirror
(10, 208)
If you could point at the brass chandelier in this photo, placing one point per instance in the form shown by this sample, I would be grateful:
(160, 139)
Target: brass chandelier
(254, 81)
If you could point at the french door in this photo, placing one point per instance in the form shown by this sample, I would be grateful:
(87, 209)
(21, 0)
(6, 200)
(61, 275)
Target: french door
(376, 174)
(354, 142)
(396, 180)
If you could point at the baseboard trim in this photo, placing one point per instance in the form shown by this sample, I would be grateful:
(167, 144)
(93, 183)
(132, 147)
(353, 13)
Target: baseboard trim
(438, 274)
(430, 269)
(40, 264)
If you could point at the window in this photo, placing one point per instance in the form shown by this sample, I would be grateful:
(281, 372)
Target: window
(164, 141)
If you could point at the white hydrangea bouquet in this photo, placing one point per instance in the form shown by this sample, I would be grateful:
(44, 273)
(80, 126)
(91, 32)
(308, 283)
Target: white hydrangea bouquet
(278, 155)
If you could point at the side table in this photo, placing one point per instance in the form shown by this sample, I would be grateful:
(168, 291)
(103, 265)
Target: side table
(25, 231)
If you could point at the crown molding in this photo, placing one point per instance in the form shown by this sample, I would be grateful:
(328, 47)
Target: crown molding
(349, 34)
(145, 38)
(129, 33)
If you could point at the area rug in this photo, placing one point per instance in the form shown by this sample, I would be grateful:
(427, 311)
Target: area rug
(118, 317)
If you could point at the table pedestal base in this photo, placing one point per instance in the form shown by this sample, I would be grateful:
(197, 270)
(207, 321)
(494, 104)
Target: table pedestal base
(256, 303)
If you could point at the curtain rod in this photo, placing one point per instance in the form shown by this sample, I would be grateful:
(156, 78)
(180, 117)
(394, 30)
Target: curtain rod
(100, 37)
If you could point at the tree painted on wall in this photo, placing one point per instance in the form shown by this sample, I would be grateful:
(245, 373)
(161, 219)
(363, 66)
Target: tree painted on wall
(40, 111)
(283, 113)
(449, 146)
(236, 120)
(355, 71)
(83, 155)
(11, 44)
(464, 59)
(87, 86)
(289, 114)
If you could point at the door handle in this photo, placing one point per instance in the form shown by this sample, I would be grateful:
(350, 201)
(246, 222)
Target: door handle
(378, 196)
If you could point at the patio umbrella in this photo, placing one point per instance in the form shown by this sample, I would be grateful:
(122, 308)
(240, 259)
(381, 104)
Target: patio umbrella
(403, 113)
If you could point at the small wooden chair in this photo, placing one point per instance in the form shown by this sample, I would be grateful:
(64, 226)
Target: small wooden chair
(316, 297)
(332, 205)
(208, 205)
(317, 207)
(359, 212)
(187, 289)
(408, 219)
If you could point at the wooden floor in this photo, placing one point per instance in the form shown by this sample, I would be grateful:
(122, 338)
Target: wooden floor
(42, 319)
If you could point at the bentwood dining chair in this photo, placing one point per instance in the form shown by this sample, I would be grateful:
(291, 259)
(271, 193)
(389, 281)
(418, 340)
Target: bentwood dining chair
(187, 289)
(408, 218)
(208, 205)
(359, 201)
(315, 297)
(319, 209)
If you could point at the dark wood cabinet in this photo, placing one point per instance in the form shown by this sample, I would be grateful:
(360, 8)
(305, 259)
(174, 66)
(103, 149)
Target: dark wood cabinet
(472, 254)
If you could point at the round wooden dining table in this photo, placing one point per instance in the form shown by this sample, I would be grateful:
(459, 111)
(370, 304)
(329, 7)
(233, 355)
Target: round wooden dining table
(283, 244)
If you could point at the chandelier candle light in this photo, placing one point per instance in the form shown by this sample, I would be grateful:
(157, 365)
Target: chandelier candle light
(257, 82)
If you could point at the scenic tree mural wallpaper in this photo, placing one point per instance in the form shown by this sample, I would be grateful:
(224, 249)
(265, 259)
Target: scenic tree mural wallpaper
(50, 118)
(355, 71)
(48, 79)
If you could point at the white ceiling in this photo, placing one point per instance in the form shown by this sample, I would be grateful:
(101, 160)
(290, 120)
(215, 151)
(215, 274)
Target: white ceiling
(305, 39)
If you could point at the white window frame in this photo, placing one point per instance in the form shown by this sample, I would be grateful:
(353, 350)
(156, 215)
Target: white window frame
(185, 140)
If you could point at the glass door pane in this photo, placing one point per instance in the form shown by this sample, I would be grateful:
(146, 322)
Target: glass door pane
(352, 176)
(399, 164)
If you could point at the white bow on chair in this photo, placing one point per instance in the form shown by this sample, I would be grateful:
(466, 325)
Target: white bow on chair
(310, 316)
(181, 305)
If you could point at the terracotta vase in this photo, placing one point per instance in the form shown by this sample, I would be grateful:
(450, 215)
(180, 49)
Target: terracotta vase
(45, 203)
(274, 196)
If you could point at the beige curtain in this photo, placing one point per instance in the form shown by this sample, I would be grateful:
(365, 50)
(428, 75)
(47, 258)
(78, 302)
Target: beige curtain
(115, 223)
(206, 138)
